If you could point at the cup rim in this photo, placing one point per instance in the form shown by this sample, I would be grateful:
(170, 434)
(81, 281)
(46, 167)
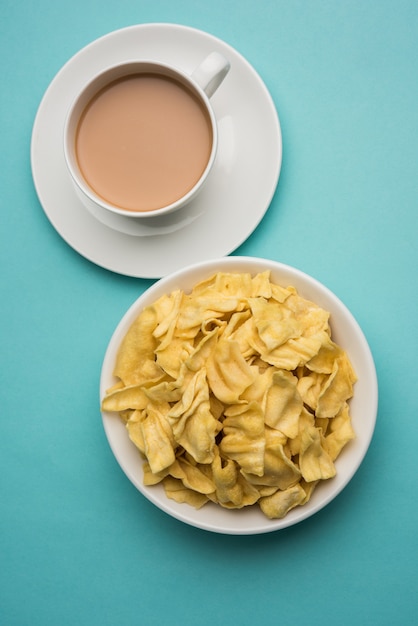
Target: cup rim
(87, 92)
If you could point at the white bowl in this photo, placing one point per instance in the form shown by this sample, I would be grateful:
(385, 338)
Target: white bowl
(345, 331)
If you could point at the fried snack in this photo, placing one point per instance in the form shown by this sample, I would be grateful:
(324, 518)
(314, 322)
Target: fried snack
(234, 393)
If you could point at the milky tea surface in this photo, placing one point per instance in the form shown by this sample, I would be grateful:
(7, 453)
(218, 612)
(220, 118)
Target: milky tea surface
(143, 142)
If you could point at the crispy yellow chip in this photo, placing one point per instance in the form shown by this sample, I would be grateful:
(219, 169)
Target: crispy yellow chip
(153, 478)
(130, 397)
(228, 372)
(134, 427)
(235, 393)
(310, 387)
(191, 476)
(232, 490)
(274, 324)
(172, 356)
(168, 308)
(158, 440)
(192, 422)
(283, 404)
(240, 328)
(278, 471)
(243, 437)
(135, 359)
(323, 361)
(314, 461)
(280, 503)
(176, 490)
(199, 355)
(295, 352)
(340, 433)
(337, 389)
(306, 421)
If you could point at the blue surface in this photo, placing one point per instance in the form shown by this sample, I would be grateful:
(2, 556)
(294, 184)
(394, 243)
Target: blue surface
(78, 544)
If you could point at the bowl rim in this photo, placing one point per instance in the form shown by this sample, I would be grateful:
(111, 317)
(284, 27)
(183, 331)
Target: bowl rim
(212, 517)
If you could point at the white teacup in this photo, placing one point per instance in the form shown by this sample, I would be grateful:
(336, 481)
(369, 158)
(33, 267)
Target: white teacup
(141, 137)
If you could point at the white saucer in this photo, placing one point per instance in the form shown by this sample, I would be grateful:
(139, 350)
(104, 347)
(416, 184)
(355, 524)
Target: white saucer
(233, 201)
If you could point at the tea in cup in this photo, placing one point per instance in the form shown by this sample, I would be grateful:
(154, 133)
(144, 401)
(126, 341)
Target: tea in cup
(141, 138)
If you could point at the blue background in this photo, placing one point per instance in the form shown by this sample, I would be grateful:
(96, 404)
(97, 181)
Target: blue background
(78, 543)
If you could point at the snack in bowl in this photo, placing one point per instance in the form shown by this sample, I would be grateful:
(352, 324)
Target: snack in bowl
(233, 390)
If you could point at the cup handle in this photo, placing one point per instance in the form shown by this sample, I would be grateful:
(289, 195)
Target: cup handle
(211, 72)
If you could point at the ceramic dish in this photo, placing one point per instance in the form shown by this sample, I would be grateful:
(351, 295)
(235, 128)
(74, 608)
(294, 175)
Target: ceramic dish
(236, 196)
(345, 331)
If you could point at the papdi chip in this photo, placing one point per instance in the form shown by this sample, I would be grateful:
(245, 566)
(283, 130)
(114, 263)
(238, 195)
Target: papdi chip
(235, 394)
